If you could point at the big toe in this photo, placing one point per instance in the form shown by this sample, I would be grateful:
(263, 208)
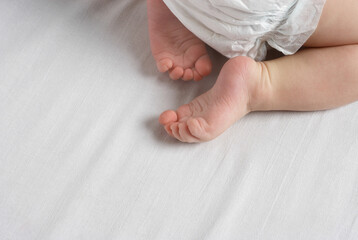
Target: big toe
(203, 65)
(168, 117)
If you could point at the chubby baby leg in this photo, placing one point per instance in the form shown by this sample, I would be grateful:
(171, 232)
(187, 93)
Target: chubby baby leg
(313, 79)
(337, 26)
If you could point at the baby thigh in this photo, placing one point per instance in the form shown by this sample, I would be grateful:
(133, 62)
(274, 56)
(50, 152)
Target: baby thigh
(337, 26)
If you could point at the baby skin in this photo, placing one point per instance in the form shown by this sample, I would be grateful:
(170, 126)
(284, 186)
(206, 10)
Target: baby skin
(322, 76)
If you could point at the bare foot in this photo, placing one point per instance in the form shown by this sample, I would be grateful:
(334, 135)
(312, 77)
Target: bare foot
(233, 96)
(174, 47)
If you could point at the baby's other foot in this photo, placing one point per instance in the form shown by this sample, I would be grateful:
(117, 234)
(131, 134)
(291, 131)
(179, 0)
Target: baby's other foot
(175, 48)
(233, 96)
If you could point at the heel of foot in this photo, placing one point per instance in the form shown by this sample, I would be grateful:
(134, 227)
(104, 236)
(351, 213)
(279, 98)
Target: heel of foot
(257, 79)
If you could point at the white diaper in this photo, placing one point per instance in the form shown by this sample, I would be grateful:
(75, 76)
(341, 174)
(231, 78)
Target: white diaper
(245, 27)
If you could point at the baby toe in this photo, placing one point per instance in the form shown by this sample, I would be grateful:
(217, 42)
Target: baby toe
(164, 65)
(185, 134)
(175, 131)
(188, 75)
(203, 65)
(198, 127)
(176, 73)
(168, 129)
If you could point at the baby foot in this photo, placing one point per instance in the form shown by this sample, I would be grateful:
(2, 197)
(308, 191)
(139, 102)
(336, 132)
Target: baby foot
(174, 47)
(210, 114)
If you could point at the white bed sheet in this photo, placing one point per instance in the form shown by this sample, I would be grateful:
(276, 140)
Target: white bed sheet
(83, 157)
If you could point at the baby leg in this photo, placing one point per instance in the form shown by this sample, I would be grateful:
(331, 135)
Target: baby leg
(313, 79)
(316, 79)
(337, 26)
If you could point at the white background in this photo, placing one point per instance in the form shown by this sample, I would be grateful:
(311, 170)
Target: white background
(83, 157)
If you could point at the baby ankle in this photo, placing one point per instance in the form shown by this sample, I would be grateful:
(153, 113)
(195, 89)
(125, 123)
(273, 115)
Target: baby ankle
(261, 93)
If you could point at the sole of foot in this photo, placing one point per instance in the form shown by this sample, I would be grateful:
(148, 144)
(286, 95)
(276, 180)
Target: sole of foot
(210, 114)
(175, 49)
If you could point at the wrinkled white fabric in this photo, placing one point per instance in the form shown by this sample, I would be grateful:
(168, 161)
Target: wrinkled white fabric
(246, 27)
